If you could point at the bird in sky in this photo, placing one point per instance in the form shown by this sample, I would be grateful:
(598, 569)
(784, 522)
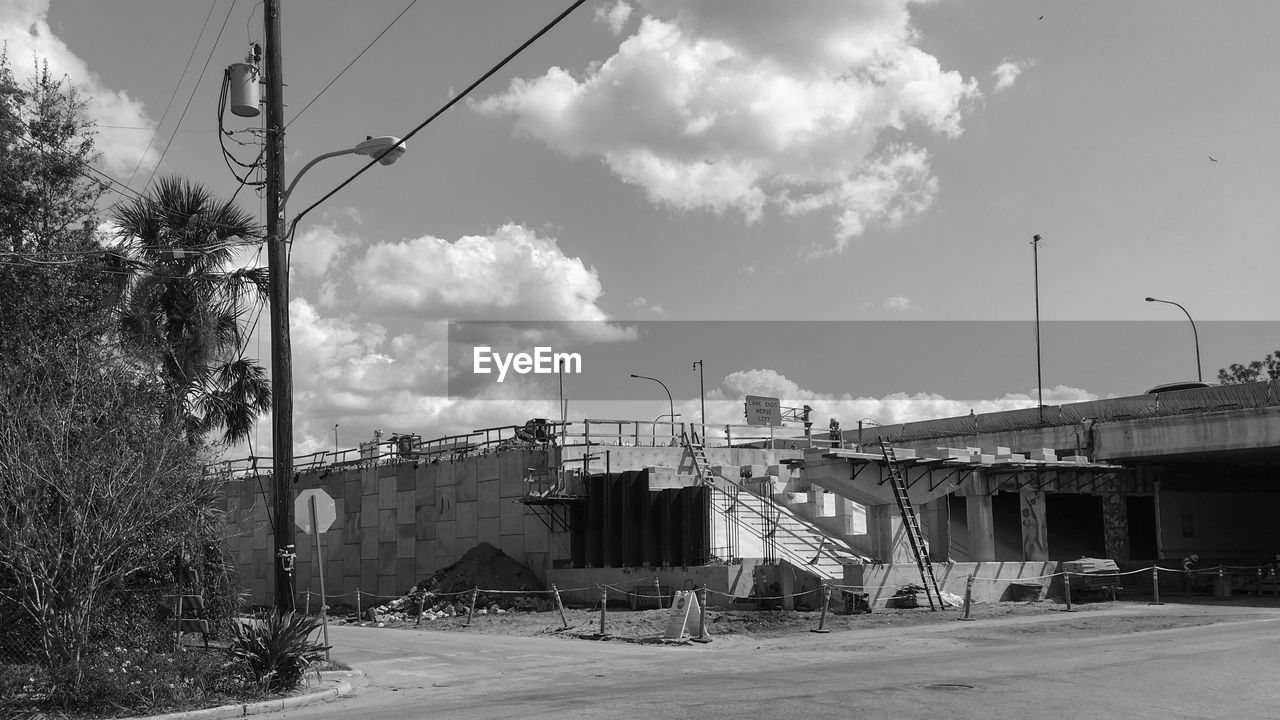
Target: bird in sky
(1040, 18)
(1213, 159)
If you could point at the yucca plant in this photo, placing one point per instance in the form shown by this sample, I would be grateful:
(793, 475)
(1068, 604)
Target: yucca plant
(278, 648)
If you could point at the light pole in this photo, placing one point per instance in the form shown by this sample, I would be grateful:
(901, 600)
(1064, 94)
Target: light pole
(1035, 261)
(1194, 333)
(869, 421)
(385, 149)
(669, 400)
(702, 396)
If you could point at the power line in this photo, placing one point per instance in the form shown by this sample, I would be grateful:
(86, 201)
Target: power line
(191, 97)
(174, 94)
(546, 28)
(353, 62)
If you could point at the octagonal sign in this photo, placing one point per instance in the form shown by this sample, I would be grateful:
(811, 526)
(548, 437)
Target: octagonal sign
(326, 512)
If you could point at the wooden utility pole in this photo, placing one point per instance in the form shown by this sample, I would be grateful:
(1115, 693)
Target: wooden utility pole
(281, 353)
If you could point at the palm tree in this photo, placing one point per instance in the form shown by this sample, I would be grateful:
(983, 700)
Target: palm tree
(182, 311)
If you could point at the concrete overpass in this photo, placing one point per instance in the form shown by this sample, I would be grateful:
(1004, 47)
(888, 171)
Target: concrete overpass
(1144, 477)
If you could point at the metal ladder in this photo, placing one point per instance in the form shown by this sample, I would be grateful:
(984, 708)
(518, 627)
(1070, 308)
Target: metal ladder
(912, 523)
(702, 470)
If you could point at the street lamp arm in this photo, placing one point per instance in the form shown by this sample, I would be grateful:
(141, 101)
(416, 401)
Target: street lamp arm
(670, 401)
(305, 168)
(1200, 374)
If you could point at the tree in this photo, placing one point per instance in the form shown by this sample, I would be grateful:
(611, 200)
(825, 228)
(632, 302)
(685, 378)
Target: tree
(51, 269)
(95, 488)
(184, 314)
(1268, 368)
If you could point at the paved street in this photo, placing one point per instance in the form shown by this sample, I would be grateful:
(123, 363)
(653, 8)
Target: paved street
(1059, 665)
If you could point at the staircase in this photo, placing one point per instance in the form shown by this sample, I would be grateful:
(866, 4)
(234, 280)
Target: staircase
(754, 521)
(912, 524)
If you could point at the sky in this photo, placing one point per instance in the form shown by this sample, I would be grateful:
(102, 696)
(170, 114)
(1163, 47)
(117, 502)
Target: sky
(840, 194)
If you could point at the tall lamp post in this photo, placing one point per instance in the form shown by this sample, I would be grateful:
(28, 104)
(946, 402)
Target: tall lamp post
(702, 396)
(669, 400)
(1194, 333)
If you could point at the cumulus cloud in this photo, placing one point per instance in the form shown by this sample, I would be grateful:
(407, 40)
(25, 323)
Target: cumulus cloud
(1007, 72)
(642, 303)
(316, 249)
(848, 409)
(898, 303)
(732, 106)
(615, 17)
(25, 27)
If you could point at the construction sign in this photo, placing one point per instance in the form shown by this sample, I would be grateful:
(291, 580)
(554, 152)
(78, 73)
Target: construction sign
(686, 616)
(763, 410)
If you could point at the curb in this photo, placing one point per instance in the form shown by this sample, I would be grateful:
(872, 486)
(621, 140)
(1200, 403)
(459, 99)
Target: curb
(342, 689)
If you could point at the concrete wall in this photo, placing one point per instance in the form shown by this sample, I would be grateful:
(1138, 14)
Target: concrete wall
(1228, 525)
(882, 581)
(580, 586)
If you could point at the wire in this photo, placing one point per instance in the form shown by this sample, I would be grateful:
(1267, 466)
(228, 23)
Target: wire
(547, 28)
(353, 62)
(191, 97)
(174, 94)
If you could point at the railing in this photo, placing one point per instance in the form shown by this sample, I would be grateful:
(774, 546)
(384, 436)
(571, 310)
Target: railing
(627, 433)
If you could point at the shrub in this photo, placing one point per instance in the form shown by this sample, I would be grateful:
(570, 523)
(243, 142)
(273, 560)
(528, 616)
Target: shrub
(278, 648)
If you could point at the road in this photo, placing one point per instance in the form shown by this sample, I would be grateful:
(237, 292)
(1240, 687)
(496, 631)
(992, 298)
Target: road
(1101, 663)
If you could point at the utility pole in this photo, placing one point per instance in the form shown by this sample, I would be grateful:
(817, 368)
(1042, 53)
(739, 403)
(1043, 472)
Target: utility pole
(702, 398)
(281, 353)
(1035, 261)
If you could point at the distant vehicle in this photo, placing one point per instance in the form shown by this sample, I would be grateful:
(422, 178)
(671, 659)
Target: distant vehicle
(1180, 385)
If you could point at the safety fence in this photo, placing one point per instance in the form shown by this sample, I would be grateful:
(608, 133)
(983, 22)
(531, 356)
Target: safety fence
(854, 598)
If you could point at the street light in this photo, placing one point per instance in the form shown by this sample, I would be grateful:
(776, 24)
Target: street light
(1196, 335)
(386, 150)
(669, 400)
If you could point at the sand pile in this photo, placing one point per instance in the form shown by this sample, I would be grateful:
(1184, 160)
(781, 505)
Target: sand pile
(483, 566)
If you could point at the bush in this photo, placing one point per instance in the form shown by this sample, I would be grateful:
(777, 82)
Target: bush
(278, 648)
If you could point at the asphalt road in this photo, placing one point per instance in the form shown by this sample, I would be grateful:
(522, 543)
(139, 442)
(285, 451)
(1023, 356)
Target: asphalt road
(1097, 664)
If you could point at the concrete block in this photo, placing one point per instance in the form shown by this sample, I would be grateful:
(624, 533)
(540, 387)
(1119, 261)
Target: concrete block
(446, 503)
(388, 588)
(464, 475)
(387, 559)
(351, 528)
(487, 530)
(406, 575)
(487, 499)
(369, 546)
(405, 477)
(406, 536)
(512, 545)
(368, 511)
(425, 487)
(513, 467)
(404, 507)
(511, 517)
(1044, 454)
(446, 539)
(351, 565)
(466, 517)
(445, 470)
(387, 471)
(424, 558)
(387, 525)
(425, 525)
(535, 535)
(368, 481)
(386, 493)
(351, 493)
(369, 584)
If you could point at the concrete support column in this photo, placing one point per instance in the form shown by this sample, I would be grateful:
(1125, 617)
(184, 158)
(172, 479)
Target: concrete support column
(982, 528)
(888, 537)
(1115, 525)
(1035, 531)
(937, 528)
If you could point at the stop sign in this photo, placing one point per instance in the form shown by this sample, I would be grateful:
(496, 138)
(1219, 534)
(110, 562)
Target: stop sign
(326, 513)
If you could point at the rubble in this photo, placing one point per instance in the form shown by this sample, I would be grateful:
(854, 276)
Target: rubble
(446, 593)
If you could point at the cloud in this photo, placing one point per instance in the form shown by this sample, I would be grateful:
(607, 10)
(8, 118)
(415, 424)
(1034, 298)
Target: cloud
(615, 17)
(1007, 72)
(726, 401)
(713, 106)
(899, 303)
(316, 249)
(24, 26)
(642, 303)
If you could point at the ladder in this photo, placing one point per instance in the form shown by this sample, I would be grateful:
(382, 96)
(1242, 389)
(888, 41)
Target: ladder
(702, 470)
(912, 524)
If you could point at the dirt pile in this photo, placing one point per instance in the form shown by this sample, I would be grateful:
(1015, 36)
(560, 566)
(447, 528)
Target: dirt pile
(502, 583)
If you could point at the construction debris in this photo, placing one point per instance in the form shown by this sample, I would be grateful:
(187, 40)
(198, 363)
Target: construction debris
(501, 581)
